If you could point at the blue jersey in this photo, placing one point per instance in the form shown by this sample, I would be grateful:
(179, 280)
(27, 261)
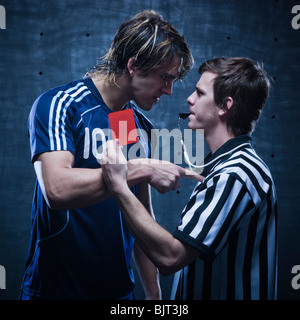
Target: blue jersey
(81, 253)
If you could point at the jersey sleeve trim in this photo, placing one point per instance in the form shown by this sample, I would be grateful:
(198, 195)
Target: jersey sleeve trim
(206, 253)
(50, 120)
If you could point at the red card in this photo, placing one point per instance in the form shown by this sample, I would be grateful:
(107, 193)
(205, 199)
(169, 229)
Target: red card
(123, 126)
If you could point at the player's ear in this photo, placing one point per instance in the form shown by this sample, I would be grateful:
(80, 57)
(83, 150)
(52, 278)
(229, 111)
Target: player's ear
(131, 66)
(227, 105)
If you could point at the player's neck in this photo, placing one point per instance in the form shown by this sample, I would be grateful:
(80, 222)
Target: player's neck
(114, 95)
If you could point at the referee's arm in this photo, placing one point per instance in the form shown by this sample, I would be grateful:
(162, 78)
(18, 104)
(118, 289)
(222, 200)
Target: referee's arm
(166, 252)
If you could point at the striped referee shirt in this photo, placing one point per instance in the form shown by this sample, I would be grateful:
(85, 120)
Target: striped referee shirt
(231, 218)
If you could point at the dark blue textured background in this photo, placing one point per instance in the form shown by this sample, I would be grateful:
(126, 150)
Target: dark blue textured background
(48, 43)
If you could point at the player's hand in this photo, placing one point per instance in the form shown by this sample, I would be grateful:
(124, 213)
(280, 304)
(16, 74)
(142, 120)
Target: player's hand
(114, 167)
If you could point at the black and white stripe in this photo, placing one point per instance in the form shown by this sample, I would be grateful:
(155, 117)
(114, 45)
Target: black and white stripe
(231, 218)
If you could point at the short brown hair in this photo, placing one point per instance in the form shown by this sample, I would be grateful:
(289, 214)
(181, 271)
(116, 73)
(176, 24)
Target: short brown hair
(148, 38)
(246, 83)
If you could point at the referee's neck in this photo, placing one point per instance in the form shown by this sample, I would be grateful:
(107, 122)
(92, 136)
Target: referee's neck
(217, 138)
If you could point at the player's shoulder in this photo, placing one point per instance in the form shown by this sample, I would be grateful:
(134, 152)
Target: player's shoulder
(58, 96)
(61, 91)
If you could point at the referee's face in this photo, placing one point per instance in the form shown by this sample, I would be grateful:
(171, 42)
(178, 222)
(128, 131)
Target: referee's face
(203, 109)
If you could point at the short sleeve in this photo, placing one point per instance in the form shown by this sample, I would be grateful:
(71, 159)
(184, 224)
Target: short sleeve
(213, 211)
(50, 123)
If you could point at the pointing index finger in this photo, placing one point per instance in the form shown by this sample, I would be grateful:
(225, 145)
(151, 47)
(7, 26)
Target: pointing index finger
(186, 173)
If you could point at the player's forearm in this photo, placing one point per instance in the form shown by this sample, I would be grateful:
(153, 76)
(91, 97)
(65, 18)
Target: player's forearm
(80, 187)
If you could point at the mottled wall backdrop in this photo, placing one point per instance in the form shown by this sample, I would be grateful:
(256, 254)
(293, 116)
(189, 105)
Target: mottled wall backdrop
(47, 43)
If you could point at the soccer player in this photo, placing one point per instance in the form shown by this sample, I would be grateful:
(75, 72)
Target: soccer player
(227, 236)
(80, 247)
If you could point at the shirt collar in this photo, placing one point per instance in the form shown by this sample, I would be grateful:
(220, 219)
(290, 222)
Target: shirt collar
(227, 146)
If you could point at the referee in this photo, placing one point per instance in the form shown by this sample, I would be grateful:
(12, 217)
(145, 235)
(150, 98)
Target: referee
(226, 242)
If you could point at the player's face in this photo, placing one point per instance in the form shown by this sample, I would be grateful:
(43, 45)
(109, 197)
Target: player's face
(147, 90)
(203, 109)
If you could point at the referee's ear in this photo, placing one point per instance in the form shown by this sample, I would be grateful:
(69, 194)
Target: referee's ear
(227, 105)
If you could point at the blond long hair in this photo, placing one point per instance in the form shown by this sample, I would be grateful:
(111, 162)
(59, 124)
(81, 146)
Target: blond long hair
(152, 41)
